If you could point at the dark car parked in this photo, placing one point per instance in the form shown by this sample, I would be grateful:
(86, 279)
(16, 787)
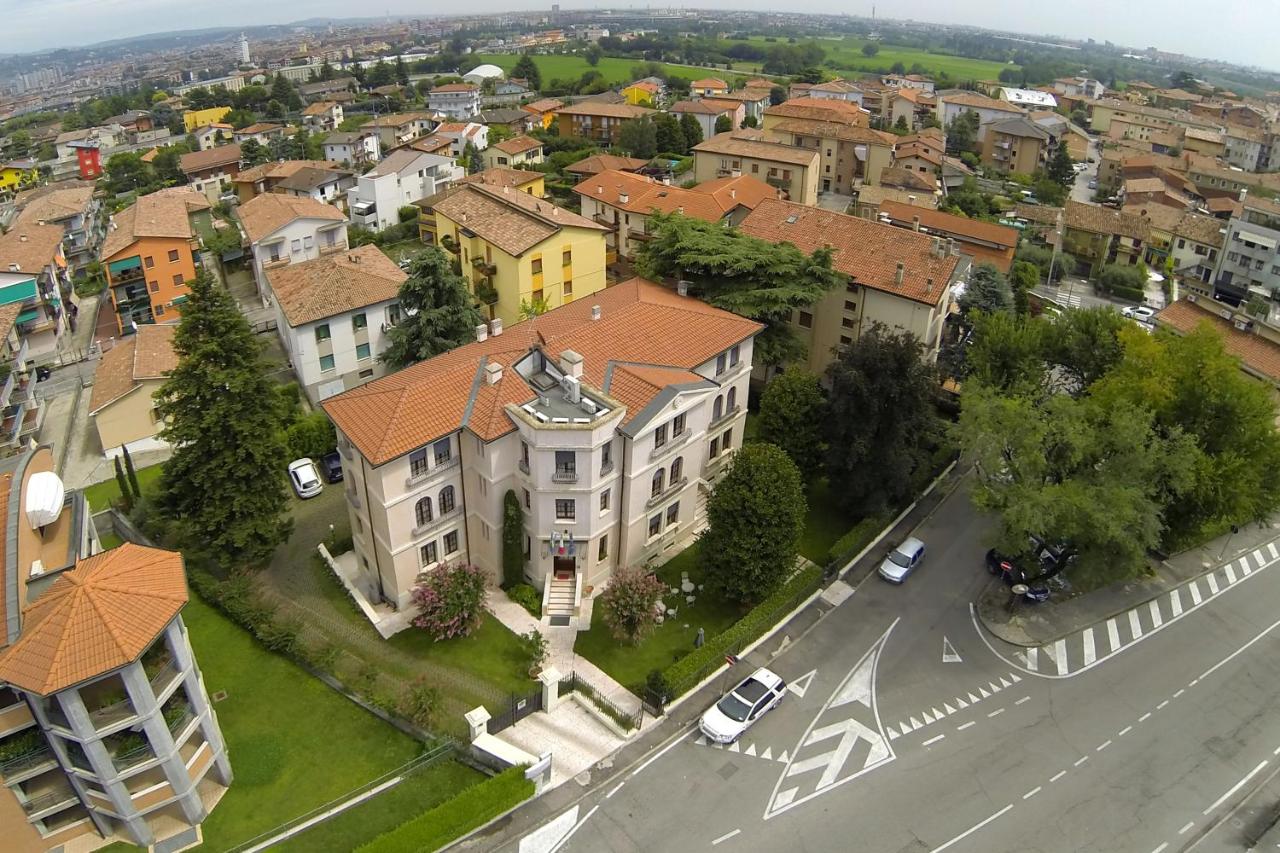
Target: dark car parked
(331, 466)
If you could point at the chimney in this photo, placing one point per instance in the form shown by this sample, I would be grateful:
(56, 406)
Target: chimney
(571, 364)
(595, 313)
(954, 248)
(482, 332)
(911, 200)
(22, 238)
(902, 268)
(1244, 191)
(680, 210)
(682, 287)
(492, 373)
(495, 327)
(623, 198)
(928, 285)
(915, 223)
(353, 257)
(733, 194)
(599, 189)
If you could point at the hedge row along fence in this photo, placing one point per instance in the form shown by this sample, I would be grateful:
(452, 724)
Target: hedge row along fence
(451, 820)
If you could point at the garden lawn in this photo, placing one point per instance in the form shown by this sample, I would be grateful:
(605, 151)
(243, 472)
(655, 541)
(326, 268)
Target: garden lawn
(109, 541)
(670, 641)
(570, 66)
(403, 249)
(101, 495)
(847, 55)
(294, 743)
(825, 523)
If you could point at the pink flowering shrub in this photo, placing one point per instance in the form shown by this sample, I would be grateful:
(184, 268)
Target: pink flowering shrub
(630, 603)
(450, 600)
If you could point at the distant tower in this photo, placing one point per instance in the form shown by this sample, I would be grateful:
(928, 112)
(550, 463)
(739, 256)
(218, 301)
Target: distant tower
(244, 49)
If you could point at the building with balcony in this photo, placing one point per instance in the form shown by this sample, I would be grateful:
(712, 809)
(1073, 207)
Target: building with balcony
(395, 129)
(1249, 262)
(455, 100)
(77, 211)
(793, 170)
(333, 314)
(543, 110)
(151, 251)
(520, 180)
(354, 148)
(320, 184)
(597, 120)
(1097, 236)
(1013, 145)
(211, 172)
(322, 116)
(265, 178)
(518, 151)
(850, 155)
(897, 277)
(125, 381)
(33, 275)
(400, 179)
(21, 412)
(285, 229)
(623, 202)
(609, 418)
(516, 248)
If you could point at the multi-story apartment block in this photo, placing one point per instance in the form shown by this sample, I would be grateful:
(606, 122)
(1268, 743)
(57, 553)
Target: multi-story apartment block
(456, 100)
(517, 151)
(608, 418)
(754, 102)
(951, 106)
(516, 248)
(333, 314)
(265, 178)
(323, 116)
(897, 277)
(77, 211)
(110, 730)
(793, 170)
(597, 120)
(400, 179)
(33, 275)
(1250, 260)
(850, 155)
(355, 148)
(151, 251)
(212, 171)
(285, 229)
(463, 134)
(1014, 145)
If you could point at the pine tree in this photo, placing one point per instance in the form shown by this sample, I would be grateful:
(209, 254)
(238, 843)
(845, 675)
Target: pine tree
(126, 499)
(133, 475)
(527, 69)
(692, 130)
(225, 483)
(441, 312)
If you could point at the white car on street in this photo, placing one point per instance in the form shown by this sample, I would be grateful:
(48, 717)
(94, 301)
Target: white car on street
(902, 560)
(1142, 313)
(304, 478)
(725, 721)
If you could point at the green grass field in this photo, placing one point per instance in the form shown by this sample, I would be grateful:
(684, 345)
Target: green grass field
(100, 495)
(847, 53)
(572, 67)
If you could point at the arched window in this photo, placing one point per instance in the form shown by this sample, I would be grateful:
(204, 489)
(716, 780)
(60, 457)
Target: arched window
(446, 500)
(659, 477)
(422, 511)
(717, 408)
(677, 470)
(733, 399)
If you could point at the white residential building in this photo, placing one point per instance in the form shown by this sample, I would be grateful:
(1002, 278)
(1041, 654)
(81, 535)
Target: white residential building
(333, 314)
(461, 133)
(399, 180)
(353, 147)
(455, 100)
(285, 229)
(322, 116)
(609, 418)
(326, 185)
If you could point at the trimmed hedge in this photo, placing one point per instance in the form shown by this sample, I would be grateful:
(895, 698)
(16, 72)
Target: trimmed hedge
(856, 539)
(683, 675)
(454, 818)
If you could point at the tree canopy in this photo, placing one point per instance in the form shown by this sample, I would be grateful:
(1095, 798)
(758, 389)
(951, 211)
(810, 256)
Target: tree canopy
(987, 290)
(792, 414)
(739, 273)
(527, 69)
(439, 312)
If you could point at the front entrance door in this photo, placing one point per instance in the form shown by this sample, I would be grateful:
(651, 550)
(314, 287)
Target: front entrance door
(826, 185)
(563, 568)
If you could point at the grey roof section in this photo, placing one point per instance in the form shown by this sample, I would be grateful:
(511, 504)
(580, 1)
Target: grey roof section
(310, 178)
(503, 116)
(1019, 127)
(343, 137)
(636, 420)
(397, 161)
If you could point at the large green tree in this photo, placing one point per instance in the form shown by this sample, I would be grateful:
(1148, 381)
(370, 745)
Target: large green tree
(670, 135)
(439, 312)
(253, 153)
(734, 271)
(527, 69)
(987, 290)
(126, 172)
(882, 426)
(755, 516)
(638, 138)
(224, 486)
(792, 412)
(1007, 353)
(1060, 169)
(692, 129)
(962, 133)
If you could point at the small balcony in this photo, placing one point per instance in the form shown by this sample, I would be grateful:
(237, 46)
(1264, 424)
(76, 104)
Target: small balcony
(778, 183)
(29, 763)
(484, 267)
(129, 276)
(54, 798)
(442, 465)
(667, 493)
(640, 235)
(565, 474)
(723, 417)
(449, 243)
(436, 521)
(670, 445)
(125, 296)
(606, 221)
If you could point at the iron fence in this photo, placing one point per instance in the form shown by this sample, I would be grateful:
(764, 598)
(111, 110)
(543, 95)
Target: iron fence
(628, 720)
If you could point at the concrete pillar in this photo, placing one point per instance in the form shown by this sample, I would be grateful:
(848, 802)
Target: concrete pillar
(550, 678)
(477, 721)
(193, 684)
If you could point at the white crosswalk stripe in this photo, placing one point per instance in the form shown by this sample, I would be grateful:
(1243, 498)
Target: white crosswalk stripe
(1091, 646)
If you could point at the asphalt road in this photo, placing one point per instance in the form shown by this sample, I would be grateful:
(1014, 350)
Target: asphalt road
(916, 731)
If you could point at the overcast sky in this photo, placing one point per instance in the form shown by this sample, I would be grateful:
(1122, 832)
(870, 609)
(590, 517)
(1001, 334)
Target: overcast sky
(1246, 33)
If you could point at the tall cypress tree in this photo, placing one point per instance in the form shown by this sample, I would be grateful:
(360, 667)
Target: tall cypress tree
(126, 498)
(225, 483)
(132, 474)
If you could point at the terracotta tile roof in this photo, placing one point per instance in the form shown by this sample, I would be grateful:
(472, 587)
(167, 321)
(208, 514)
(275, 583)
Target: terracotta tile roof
(833, 130)
(1224, 204)
(947, 223)
(641, 323)
(635, 385)
(602, 162)
(839, 87)
(260, 127)
(397, 119)
(1258, 355)
(930, 137)
(1042, 213)
(1018, 127)
(1180, 223)
(915, 96)
(699, 107)
(198, 161)
(728, 143)
(1104, 220)
(867, 251)
(976, 101)
(282, 169)
(319, 108)
(146, 354)
(907, 179)
(57, 205)
(334, 284)
(709, 83)
(454, 87)
(644, 85)
(644, 195)
(722, 106)
(31, 247)
(26, 197)
(96, 617)
(265, 214)
(512, 221)
(822, 109)
(924, 152)
(8, 317)
(456, 127)
(869, 196)
(518, 144)
(744, 190)
(599, 108)
(545, 105)
(166, 213)
(744, 95)
(431, 144)
(501, 176)
(309, 178)
(1145, 185)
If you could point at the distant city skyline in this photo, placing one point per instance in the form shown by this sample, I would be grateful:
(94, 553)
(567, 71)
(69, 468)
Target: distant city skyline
(1238, 34)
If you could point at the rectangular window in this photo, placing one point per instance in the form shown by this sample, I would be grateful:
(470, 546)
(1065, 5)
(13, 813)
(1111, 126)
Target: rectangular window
(173, 255)
(295, 246)
(528, 500)
(673, 514)
(735, 355)
(845, 340)
(655, 525)
(566, 257)
(715, 449)
(359, 321)
(331, 238)
(660, 436)
(603, 552)
(786, 174)
(722, 363)
(604, 500)
(418, 463)
(566, 463)
(177, 280)
(275, 251)
(606, 457)
(443, 451)
(362, 352)
(850, 306)
(427, 554)
(159, 310)
(847, 323)
(308, 241)
(677, 425)
(1181, 243)
(326, 363)
(451, 542)
(726, 440)
(366, 374)
(537, 266)
(155, 287)
(322, 333)
(150, 261)
(568, 287)
(755, 168)
(806, 320)
(566, 510)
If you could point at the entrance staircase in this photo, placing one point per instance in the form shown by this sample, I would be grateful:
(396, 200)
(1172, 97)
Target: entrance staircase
(560, 601)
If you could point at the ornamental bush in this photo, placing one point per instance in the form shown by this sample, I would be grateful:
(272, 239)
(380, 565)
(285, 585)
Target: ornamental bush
(450, 600)
(629, 603)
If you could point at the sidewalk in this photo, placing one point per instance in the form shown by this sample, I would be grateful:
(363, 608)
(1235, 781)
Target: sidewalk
(1044, 624)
